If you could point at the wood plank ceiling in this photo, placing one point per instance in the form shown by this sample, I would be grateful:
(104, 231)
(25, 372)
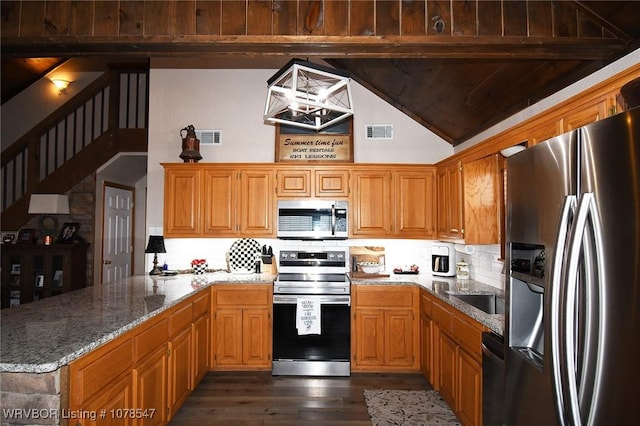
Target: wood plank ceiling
(455, 66)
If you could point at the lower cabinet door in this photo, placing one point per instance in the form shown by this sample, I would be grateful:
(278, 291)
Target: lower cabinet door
(447, 349)
(469, 396)
(150, 378)
(111, 406)
(369, 338)
(180, 385)
(399, 338)
(201, 348)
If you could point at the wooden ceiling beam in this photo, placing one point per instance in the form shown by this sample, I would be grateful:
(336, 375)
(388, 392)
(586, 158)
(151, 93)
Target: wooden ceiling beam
(445, 47)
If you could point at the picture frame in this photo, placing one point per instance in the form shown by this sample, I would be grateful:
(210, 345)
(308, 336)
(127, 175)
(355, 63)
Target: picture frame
(57, 279)
(39, 280)
(16, 268)
(69, 233)
(26, 236)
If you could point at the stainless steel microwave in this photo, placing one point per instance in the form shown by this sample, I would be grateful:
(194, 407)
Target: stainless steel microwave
(313, 219)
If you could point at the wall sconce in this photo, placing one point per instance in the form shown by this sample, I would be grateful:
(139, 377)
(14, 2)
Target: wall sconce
(155, 246)
(304, 94)
(47, 205)
(61, 85)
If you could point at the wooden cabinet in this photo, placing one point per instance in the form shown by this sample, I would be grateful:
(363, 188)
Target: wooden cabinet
(151, 371)
(257, 206)
(427, 346)
(219, 210)
(201, 337)
(182, 201)
(317, 182)
(454, 343)
(150, 379)
(103, 380)
(543, 131)
(415, 203)
(372, 203)
(152, 368)
(449, 188)
(385, 329)
(469, 205)
(586, 114)
(35, 271)
(214, 201)
(398, 202)
(482, 206)
(242, 327)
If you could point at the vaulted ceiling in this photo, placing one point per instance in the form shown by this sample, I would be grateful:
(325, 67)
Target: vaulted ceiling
(455, 66)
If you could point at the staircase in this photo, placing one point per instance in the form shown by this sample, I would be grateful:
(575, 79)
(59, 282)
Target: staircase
(108, 117)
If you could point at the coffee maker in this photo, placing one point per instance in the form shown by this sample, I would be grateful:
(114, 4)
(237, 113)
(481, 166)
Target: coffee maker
(443, 259)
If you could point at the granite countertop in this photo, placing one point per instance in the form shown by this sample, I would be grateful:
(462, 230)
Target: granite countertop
(43, 336)
(443, 288)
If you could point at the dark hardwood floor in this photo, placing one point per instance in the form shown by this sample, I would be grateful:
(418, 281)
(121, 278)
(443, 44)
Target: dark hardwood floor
(258, 398)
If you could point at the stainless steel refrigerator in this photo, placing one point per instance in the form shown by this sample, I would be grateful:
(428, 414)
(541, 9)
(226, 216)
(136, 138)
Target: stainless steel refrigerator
(572, 329)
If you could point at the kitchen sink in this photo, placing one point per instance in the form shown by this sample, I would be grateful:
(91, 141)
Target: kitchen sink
(488, 303)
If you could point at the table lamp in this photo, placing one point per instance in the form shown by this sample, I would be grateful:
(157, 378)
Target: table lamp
(155, 246)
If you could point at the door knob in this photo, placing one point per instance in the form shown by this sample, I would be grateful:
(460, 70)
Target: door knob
(107, 262)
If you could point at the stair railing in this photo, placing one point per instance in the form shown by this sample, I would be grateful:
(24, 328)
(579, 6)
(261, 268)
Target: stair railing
(116, 100)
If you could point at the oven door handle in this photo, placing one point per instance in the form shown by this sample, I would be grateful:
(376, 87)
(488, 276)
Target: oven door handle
(279, 299)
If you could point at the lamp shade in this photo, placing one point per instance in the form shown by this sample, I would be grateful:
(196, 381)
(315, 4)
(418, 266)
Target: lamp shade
(308, 95)
(155, 244)
(48, 204)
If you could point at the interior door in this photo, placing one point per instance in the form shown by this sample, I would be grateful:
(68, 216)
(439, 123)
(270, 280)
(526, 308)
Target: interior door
(117, 232)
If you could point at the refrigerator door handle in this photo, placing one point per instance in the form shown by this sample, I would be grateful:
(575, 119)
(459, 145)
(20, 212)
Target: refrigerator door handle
(584, 389)
(557, 292)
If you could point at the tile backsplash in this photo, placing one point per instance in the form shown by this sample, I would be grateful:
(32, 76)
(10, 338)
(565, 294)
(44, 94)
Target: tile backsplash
(484, 264)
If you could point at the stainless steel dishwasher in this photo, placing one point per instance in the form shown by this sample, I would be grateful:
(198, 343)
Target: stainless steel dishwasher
(492, 379)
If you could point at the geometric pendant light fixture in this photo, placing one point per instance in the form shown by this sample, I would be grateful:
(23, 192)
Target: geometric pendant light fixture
(304, 94)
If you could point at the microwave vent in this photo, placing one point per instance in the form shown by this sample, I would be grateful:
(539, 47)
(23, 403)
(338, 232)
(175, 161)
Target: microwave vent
(379, 131)
(209, 137)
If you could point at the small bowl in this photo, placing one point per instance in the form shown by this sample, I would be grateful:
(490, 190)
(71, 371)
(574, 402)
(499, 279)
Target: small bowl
(368, 268)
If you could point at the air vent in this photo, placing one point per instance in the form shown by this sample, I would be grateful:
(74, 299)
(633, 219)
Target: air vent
(379, 131)
(209, 137)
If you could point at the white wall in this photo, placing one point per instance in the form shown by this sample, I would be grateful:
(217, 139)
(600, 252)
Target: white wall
(233, 101)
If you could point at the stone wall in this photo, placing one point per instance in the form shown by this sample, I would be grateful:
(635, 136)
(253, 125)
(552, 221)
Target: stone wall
(34, 398)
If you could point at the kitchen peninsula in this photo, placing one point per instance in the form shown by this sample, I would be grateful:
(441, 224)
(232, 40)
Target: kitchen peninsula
(41, 341)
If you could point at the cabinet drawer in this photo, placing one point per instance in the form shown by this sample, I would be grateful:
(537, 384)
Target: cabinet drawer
(201, 305)
(92, 374)
(180, 319)
(242, 297)
(468, 333)
(426, 305)
(442, 316)
(147, 341)
(386, 297)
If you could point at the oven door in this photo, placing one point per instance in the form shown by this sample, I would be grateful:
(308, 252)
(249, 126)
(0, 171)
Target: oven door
(327, 353)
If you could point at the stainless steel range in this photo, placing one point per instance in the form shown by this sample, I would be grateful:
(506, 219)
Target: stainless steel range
(312, 314)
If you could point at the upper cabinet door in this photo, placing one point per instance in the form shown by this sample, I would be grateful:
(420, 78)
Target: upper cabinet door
(182, 198)
(372, 206)
(294, 183)
(256, 208)
(331, 183)
(482, 201)
(449, 187)
(219, 210)
(415, 203)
